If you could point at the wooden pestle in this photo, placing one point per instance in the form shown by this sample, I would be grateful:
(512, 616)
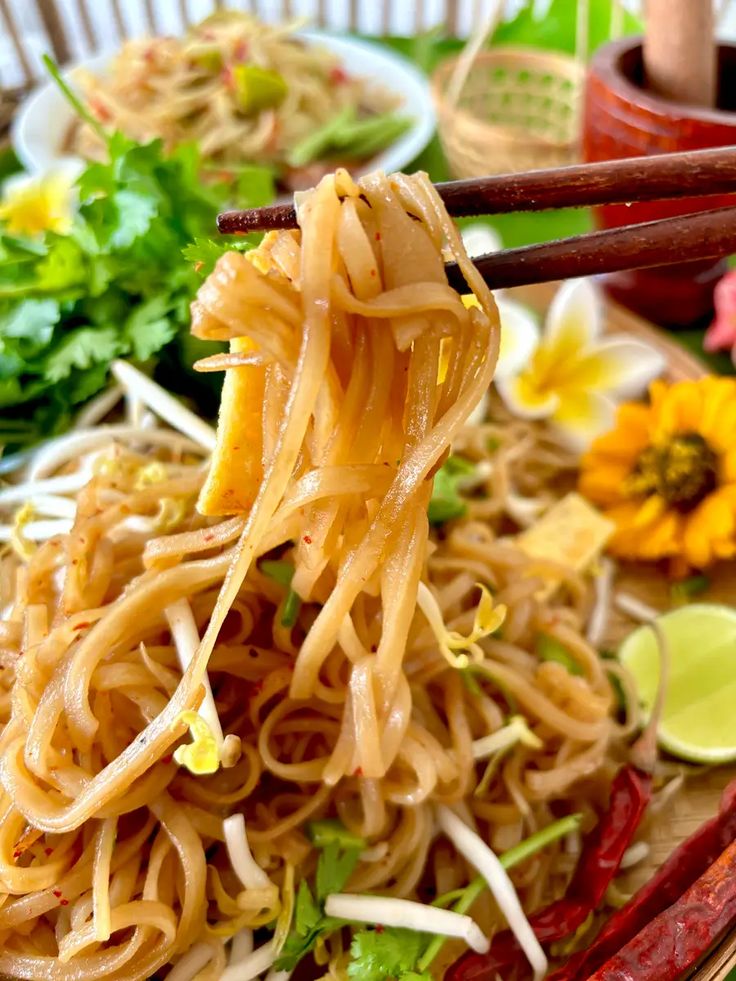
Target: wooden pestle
(680, 51)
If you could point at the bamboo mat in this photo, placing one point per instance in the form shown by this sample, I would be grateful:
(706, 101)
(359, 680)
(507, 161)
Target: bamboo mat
(699, 799)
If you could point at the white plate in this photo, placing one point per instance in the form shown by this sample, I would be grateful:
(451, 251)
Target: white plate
(43, 120)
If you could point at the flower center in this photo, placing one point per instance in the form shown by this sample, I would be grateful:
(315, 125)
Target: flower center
(683, 471)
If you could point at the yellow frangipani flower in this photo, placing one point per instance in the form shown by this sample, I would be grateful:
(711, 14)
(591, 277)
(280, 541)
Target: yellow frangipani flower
(666, 474)
(34, 205)
(519, 333)
(575, 376)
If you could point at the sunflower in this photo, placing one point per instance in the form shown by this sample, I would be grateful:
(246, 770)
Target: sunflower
(666, 473)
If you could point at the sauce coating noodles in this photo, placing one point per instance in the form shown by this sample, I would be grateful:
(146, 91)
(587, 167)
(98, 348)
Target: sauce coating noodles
(112, 857)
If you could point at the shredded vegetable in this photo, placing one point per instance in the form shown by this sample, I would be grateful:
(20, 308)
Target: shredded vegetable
(475, 850)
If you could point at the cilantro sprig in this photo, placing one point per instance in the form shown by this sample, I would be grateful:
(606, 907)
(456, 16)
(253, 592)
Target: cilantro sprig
(392, 953)
(118, 284)
(339, 854)
(406, 956)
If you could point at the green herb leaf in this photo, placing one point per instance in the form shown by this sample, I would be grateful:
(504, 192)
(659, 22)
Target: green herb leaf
(297, 947)
(446, 502)
(203, 253)
(135, 210)
(117, 284)
(335, 866)
(29, 326)
(550, 649)
(81, 348)
(308, 913)
(149, 327)
(377, 955)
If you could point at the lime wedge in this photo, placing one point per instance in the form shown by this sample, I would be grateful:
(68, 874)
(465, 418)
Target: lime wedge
(699, 718)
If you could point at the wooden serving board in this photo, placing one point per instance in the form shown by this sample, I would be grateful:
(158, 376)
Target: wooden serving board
(699, 799)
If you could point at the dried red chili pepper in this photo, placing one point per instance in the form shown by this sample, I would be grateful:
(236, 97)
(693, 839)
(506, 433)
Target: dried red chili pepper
(671, 943)
(686, 863)
(601, 856)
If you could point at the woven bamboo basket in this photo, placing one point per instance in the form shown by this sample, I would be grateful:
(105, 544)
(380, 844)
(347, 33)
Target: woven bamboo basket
(518, 109)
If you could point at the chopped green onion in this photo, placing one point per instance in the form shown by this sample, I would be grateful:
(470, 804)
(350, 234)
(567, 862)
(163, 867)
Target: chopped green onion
(463, 899)
(686, 589)
(446, 503)
(327, 831)
(279, 570)
(292, 605)
(550, 649)
(282, 572)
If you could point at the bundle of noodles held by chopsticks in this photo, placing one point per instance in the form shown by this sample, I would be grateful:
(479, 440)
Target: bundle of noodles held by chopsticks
(212, 658)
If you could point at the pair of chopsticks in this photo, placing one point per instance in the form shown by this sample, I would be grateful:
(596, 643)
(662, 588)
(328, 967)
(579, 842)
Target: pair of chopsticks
(696, 173)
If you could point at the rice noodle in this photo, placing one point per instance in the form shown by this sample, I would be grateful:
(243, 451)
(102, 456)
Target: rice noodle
(143, 613)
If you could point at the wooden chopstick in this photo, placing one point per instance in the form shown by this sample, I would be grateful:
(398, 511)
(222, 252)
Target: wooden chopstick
(703, 235)
(694, 173)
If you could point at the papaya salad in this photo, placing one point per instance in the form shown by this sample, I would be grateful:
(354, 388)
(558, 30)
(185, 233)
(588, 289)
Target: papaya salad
(243, 92)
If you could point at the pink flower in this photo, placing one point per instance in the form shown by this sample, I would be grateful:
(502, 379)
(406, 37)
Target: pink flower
(722, 332)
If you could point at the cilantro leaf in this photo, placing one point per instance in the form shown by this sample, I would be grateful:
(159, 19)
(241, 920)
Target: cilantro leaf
(308, 913)
(62, 268)
(136, 211)
(31, 324)
(446, 502)
(82, 348)
(389, 953)
(296, 947)
(335, 865)
(334, 868)
(203, 253)
(149, 327)
(117, 284)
